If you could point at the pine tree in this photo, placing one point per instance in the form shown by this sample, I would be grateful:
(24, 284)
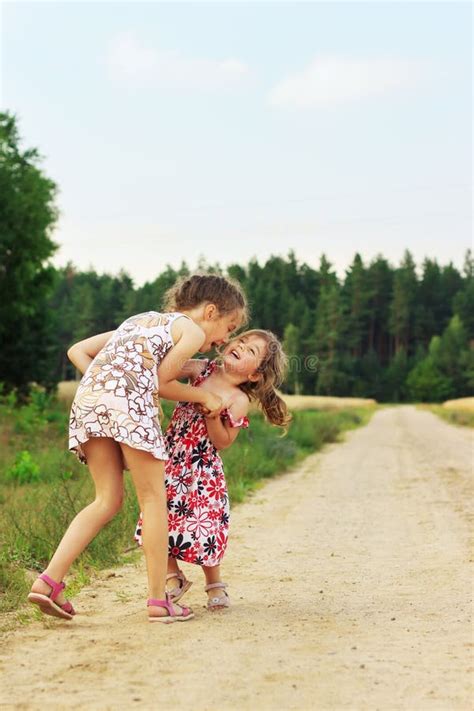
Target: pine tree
(379, 287)
(327, 330)
(292, 348)
(454, 356)
(429, 309)
(355, 303)
(401, 320)
(394, 378)
(451, 284)
(463, 301)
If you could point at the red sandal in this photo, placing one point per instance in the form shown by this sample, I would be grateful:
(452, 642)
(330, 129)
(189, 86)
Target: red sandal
(47, 604)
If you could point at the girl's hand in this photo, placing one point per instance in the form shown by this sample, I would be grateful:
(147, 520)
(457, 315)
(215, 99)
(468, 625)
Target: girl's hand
(221, 432)
(210, 405)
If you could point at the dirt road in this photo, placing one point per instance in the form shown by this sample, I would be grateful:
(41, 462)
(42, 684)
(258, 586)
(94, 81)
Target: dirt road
(351, 588)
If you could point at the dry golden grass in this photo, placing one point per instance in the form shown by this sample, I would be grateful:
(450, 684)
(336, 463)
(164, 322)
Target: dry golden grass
(463, 403)
(67, 390)
(319, 402)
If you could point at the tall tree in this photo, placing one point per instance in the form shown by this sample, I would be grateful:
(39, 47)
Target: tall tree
(455, 357)
(380, 284)
(429, 309)
(292, 348)
(327, 330)
(463, 302)
(27, 216)
(402, 307)
(355, 297)
(451, 283)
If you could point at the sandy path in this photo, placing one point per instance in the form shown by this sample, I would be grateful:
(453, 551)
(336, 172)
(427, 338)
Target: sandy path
(351, 590)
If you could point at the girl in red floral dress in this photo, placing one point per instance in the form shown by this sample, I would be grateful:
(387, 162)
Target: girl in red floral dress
(252, 366)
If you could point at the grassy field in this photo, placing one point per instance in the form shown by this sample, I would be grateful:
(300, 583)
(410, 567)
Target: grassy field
(42, 485)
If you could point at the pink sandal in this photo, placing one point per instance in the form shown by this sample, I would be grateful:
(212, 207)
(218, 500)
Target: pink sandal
(47, 603)
(218, 602)
(186, 614)
(177, 593)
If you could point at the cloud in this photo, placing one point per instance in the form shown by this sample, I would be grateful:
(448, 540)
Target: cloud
(129, 61)
(332, 80)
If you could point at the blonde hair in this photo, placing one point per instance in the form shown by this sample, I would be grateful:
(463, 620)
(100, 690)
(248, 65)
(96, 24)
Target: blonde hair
(224, 292)
(272, 371)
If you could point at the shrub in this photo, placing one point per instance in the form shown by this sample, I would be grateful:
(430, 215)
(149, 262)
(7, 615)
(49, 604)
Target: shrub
(24, 470)
(426, 383)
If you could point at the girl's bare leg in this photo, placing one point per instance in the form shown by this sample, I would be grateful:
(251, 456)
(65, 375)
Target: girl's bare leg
(213, 575)
(173, 568)
(105, 463)
(148, 476)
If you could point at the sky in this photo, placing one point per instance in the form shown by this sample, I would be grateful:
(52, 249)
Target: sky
(239, 130)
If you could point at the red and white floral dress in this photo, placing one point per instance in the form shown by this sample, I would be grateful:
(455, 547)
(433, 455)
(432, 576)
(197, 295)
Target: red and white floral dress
(198, 502)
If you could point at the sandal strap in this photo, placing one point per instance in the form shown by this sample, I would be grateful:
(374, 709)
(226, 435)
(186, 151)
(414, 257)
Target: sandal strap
(219, 601)
(167, 604)
(56, 588)
(211, 586)
(178, 575)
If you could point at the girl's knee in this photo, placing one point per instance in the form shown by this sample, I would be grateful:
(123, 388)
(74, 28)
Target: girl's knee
(109, 505)
(151, 493)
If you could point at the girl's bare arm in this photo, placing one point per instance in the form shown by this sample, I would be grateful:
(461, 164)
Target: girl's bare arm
(171, 368)
(82, 354)
(192, 369)
(221, 433)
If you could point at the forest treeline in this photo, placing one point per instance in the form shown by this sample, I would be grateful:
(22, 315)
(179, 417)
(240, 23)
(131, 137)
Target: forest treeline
(391, 332)
(381, 331)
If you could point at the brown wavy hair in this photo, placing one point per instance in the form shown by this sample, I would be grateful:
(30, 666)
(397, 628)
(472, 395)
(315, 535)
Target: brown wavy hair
(272, 372)
(191, 291)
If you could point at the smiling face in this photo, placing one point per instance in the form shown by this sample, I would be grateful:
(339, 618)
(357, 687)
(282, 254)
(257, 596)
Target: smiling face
(244, 355)
(218, 328)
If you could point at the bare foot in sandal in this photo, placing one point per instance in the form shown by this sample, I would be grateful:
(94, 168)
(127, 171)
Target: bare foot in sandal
(167, 612)
(39, 586)
(48, 595)
(176, 585)
(217, 596)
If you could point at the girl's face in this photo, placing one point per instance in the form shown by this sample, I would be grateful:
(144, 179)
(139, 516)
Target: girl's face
(218, 328)
(244, 355)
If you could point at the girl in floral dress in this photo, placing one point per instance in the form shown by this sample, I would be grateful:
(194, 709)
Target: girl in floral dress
(198, 504)
(115, 424)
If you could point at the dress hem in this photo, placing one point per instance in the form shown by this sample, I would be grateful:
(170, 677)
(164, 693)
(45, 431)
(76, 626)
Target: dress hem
(205, 564)
(78, 451)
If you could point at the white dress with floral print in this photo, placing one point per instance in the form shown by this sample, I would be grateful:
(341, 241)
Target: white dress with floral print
(118, 396)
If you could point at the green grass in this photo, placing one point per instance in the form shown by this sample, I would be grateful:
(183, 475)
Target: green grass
(42, 485)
